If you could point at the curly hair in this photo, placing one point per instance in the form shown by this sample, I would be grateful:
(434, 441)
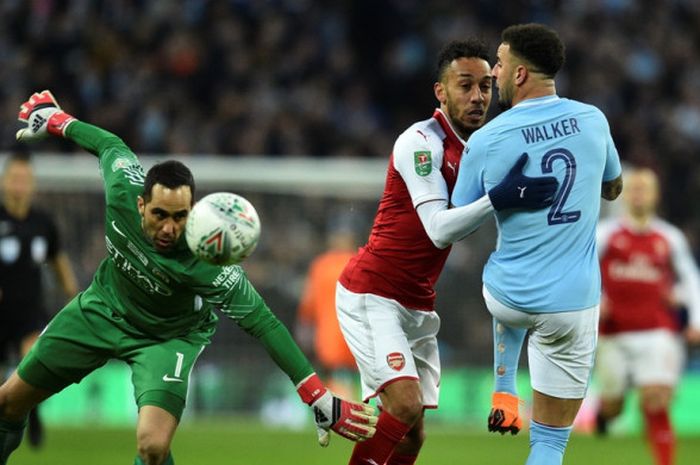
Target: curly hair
(469, 48)
(536, 44)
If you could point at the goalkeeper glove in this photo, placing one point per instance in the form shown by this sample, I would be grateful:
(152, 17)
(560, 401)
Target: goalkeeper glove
(352, 420)
(519, 191)
(43, 116)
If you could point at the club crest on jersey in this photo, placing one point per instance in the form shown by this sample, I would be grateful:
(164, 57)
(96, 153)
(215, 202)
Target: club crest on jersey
(396, 361)
(423, 162)
(121, 163)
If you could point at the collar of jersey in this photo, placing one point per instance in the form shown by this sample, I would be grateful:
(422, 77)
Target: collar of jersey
(628, 223)
(537, 101)
(449, 124)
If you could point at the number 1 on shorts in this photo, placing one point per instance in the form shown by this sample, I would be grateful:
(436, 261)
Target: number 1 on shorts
(178, 369)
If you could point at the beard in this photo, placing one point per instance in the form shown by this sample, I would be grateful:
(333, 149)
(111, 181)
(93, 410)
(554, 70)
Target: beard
(453, 113)
(504, 105)
(460, 128)
(505, 98)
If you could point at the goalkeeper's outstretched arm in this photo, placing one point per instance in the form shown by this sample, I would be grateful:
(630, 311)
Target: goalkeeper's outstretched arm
(45, 117)
(352, 420)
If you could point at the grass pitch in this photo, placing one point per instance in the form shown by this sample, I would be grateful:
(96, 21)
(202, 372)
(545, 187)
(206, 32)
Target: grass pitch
(240, 443)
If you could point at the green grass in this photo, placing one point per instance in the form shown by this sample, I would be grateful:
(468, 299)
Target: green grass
(236, 443)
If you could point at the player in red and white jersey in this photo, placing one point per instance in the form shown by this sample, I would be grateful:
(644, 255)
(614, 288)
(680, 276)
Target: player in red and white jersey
(400, 261)
(385, 296)
(644, 261)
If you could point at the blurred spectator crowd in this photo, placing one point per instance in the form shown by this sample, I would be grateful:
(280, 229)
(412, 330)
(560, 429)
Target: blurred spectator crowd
(342, 78)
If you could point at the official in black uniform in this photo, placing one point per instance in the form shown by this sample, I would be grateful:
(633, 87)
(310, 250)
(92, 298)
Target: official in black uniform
(28, 240)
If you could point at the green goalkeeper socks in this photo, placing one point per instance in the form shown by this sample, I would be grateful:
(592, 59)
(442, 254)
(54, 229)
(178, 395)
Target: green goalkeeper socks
(168, 461)
(10, 438)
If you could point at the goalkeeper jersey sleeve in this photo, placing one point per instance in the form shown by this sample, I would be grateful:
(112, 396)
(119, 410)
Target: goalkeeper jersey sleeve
(231, 292)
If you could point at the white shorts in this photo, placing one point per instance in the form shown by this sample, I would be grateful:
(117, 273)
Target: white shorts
(639, 358)
(561, 346)
(390, 343)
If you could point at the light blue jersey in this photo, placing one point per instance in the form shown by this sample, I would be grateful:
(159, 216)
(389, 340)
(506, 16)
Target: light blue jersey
(545, 260)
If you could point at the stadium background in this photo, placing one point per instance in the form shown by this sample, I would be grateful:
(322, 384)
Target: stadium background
(295, 104)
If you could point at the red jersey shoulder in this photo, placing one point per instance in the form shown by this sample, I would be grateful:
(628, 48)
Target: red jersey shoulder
(431, 143)
(421, 136)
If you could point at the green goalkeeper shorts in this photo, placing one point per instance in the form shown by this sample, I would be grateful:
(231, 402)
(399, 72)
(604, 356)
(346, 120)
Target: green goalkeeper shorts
(85, 335)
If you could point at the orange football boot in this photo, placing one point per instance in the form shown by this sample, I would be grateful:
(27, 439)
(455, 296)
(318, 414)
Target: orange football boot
(504, 415)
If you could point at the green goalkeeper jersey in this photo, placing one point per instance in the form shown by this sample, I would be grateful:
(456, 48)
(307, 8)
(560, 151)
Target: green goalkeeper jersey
(167, 295)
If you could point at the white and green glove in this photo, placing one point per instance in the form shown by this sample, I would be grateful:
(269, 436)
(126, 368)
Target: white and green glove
(43, 117)
(352, 420)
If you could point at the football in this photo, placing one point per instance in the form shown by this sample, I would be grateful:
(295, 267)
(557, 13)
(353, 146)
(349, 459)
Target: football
(222, 228)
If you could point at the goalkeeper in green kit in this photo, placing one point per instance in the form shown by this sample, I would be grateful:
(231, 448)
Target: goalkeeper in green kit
(151, 304)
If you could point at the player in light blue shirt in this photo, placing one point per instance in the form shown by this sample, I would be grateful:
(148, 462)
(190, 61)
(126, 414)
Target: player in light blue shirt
(572, 141)
(544, 275)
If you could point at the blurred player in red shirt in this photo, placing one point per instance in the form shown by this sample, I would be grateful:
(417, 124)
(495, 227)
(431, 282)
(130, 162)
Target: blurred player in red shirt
(645, 261)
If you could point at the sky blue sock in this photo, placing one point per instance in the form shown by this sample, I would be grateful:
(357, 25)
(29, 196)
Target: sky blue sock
(507, 343)
(547, 444)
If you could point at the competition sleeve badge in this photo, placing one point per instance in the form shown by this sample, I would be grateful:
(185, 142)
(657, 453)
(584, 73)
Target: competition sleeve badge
(396, 361)
(121, 163)
(423, 162)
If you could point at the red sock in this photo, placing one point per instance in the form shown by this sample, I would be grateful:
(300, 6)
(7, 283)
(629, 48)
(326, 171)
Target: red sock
(660, 436)
(400, 459)
(378, 449)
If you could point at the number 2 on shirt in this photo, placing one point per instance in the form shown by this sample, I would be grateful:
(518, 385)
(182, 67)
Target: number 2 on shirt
(556, 214)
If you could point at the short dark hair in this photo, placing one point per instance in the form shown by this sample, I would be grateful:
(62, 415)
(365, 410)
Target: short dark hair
(171, 174)
(537, 44)
(18, 154)
(469, 48)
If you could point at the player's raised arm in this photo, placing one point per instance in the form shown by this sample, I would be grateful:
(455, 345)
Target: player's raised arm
(120, 167)
(45, 117)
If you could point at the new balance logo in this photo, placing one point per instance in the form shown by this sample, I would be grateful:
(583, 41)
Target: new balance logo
(38, 122)
(522, 191)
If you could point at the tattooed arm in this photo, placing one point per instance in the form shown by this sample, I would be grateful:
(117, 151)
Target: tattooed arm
(612, 189)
